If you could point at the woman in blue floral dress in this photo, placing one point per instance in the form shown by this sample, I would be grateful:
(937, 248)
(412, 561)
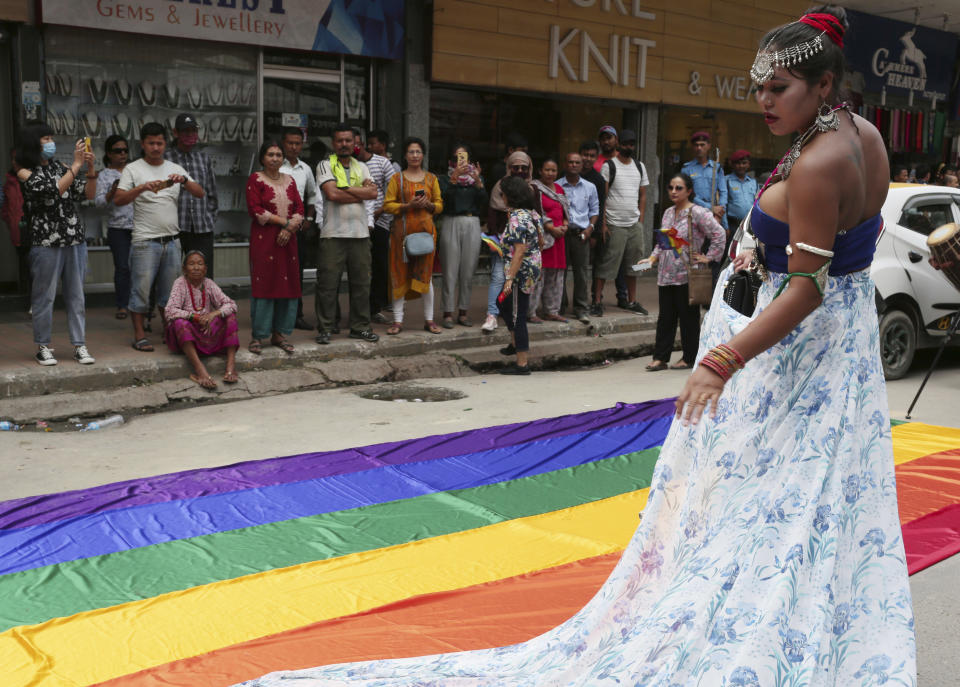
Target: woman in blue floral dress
(770, 550)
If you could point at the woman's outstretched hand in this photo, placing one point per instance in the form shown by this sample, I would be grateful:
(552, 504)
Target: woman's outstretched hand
(703, 387)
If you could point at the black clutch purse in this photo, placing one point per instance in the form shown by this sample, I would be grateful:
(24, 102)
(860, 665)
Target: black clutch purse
(740, 291)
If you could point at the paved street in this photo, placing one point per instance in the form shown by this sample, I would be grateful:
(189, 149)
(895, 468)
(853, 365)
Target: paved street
(325, 420)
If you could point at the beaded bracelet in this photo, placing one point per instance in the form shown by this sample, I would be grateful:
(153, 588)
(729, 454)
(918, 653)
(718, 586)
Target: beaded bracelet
(724, 361)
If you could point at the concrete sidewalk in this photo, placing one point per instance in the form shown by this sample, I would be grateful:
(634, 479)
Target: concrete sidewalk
(119, 367)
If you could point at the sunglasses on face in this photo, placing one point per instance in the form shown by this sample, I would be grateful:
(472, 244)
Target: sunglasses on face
(118, 151)
(520, 168)
(676, 188)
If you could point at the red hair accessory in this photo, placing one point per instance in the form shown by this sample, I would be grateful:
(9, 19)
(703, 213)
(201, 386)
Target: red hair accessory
(827, 23)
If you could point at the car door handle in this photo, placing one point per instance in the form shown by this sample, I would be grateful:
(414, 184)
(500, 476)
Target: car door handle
(914, 256)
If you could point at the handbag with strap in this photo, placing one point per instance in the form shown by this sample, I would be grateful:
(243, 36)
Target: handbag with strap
(741, 289)
(699, 277)
(417, 244)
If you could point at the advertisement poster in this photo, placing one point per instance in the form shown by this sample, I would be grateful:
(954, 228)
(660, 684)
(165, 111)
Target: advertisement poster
(366, 27)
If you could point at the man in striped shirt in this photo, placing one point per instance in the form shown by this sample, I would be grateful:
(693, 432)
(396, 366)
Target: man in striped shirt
(381, 170)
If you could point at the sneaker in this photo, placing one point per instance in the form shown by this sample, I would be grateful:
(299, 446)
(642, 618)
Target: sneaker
(515, 370)
(82, 355)
(301, 323)
(623, 303)
(380, 318)
(508, 350)
(45, 356)
(637, 308)
(323, 338)
(489, 324)
(366, 335)
(596, 309)
(582, 317)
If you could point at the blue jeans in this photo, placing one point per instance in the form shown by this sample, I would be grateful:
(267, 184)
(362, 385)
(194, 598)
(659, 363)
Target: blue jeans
(50, 265)
(119, 241)
(497, 278)
(152, 262)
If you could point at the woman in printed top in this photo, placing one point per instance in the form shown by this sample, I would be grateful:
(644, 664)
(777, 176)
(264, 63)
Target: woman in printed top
(683, 231)
(201, 320)
(522, 238)
(276, 212)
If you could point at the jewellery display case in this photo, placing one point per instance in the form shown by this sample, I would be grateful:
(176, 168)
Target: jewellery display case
(114, 85)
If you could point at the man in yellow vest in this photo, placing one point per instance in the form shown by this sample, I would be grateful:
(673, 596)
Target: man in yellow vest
(346, 185)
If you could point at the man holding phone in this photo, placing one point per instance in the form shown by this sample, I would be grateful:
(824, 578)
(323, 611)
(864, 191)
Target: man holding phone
(346, 185)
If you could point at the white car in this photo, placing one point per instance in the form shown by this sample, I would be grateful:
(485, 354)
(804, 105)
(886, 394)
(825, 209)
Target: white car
(915, 302)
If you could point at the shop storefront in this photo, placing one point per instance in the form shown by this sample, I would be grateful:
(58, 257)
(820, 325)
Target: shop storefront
(901, 78)
(555, 71)
(245, 70)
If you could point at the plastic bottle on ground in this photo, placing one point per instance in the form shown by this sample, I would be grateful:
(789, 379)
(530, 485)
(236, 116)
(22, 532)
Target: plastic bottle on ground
(110, 421)
(7, 426)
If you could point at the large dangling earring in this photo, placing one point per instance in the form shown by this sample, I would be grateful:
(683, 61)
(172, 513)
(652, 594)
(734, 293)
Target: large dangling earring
(827, 119)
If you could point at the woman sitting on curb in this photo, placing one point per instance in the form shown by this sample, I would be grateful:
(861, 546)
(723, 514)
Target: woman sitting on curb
(202, 320)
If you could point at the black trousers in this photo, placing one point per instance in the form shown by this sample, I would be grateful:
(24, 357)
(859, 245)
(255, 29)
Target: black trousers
(518, 324)
(380, 265)
(202, 242)
(674, 307)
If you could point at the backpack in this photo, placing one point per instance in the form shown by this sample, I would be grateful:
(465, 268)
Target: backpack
(612, 168)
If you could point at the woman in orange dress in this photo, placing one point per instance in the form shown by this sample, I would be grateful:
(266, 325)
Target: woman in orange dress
(413, 198)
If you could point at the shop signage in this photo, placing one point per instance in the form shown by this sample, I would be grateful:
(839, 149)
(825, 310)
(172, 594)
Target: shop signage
(901, 58)
(372, 29)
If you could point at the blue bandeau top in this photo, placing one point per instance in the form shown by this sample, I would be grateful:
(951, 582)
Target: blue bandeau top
(853, 249)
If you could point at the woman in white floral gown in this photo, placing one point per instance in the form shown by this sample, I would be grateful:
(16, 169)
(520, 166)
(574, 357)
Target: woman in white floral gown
(770, 550)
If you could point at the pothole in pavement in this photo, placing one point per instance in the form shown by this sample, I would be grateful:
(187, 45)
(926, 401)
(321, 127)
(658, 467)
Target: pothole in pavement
(402, 392)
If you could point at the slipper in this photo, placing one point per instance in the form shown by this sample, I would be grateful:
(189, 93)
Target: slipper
(431, 327)
(394, 329)
(284, 346)
(255, 347)
(143, 345)
(680, 366)
(657, 366)
(230, 377)
(204, 382)
(121, 314)
(534, 320)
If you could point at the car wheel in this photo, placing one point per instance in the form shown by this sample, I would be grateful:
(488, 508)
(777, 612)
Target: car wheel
(898, 343)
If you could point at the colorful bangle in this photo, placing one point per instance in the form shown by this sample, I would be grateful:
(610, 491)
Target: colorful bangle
(724, 361)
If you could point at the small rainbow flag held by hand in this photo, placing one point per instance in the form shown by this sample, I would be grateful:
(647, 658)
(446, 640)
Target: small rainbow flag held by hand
(493, 243)
(672, 239)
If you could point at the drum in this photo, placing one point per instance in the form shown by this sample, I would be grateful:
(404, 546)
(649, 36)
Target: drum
(944, 244)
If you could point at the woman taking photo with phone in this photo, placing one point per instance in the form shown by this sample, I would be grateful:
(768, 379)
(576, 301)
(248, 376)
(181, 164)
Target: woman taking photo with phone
(413, 198)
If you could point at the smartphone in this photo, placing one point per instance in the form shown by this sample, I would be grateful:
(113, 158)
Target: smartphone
(88, 144)
(501, 297)
(168, 183)
(462, 157)
(420, 193)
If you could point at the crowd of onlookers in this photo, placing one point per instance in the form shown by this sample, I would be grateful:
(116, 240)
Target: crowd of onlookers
(944, 175)
(556, 230)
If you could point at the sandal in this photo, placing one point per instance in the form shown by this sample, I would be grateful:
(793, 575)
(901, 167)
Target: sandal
(555, 318)
(394, 329)
(431, 326)
(657, 366)
(230, 377)
(204, 382)
(121, 314)
(680, 365)
(143, 345)
(534, 320)
(284, 346)
(255, 347)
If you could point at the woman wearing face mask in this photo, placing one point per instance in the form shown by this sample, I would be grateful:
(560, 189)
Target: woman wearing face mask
(277, 211)
(100, 189)
(51, 192)
(519, 164)
(683, 231)
(556, 210)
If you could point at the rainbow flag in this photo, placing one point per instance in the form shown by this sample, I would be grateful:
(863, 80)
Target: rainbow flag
(444, 543)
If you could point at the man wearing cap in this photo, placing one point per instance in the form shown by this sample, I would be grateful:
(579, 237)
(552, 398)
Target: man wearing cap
(709, 186)
(198, 216)
(623, 228)
(607, 138)
(741, 189)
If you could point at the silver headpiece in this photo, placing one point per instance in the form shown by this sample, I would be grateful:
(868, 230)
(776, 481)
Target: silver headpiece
(767, 60)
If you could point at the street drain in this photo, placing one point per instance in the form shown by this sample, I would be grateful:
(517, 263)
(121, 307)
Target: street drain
(409, 393)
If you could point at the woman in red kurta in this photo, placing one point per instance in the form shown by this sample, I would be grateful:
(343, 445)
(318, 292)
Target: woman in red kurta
(277, 211)
(555, 213)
